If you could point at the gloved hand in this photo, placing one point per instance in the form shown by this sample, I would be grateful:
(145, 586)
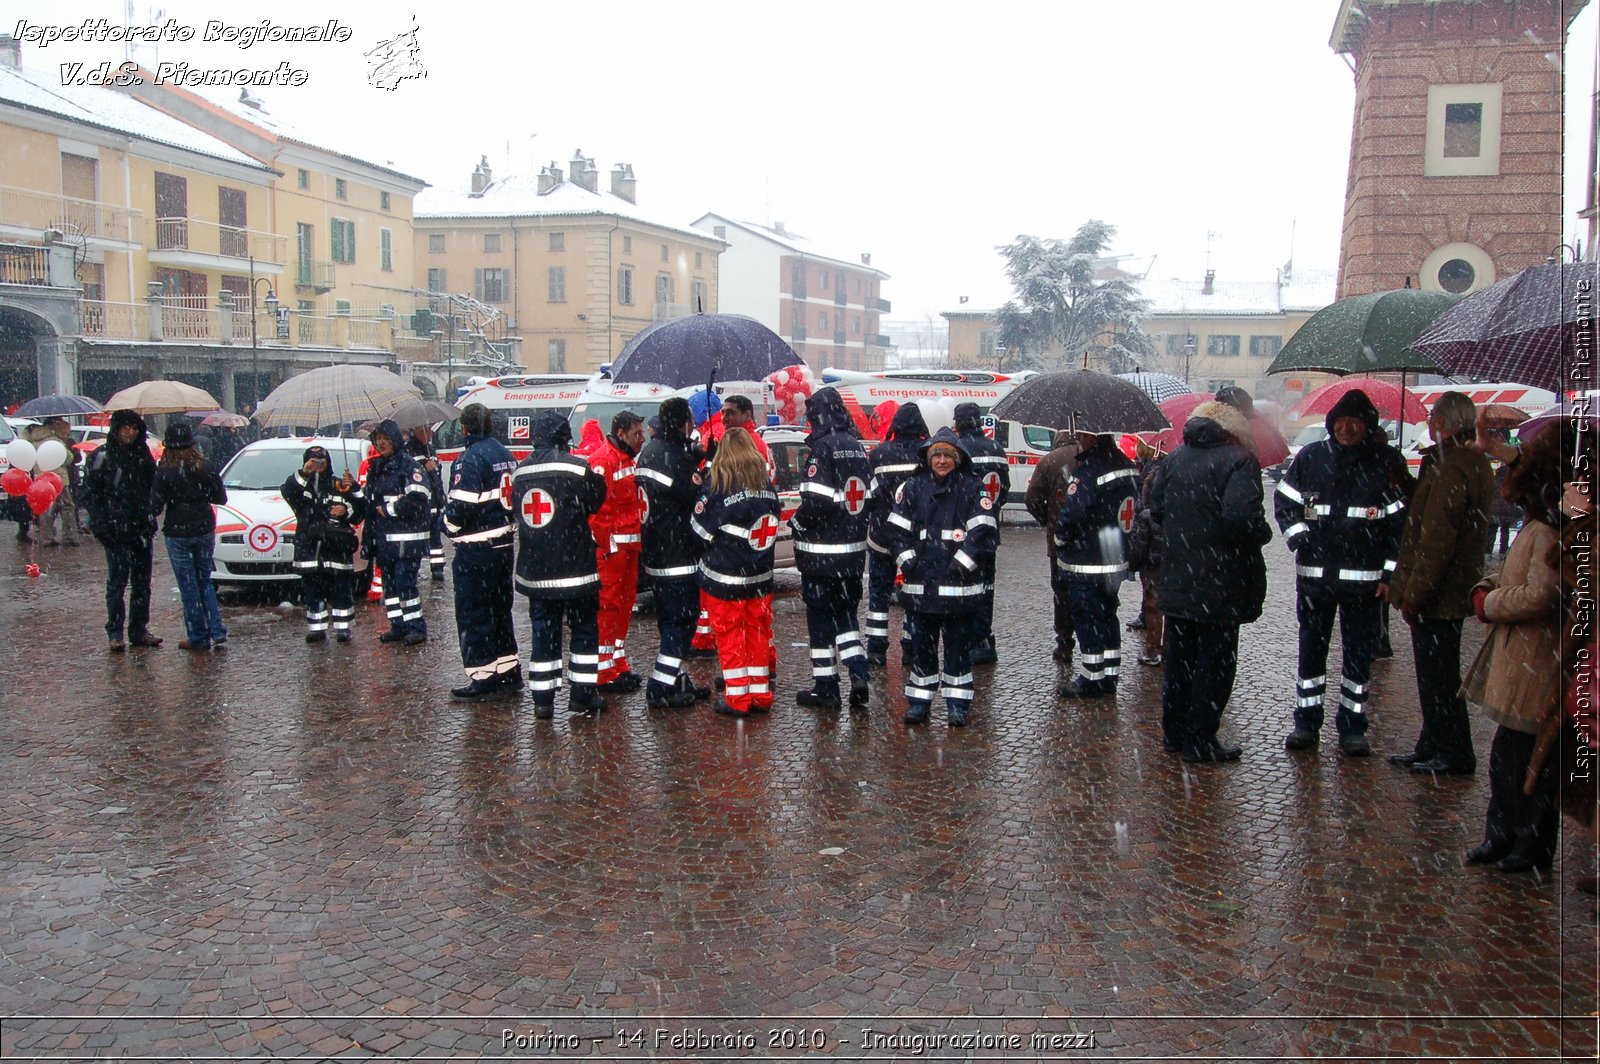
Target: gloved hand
(1480, 595)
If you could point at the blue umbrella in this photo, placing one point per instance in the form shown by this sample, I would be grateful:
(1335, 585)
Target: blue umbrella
(59, 406)
(684, 352)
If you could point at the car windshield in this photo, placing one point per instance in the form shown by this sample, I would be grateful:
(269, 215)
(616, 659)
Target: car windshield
(604, 412)
(265, 469)
(6, 433)
(1310, 434)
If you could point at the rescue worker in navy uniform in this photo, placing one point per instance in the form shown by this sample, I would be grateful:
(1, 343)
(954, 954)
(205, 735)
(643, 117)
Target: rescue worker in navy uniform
(894, 461)
(830, 542)
(1341, 507)
(942, 525)
(668, 475)
(989, 465)
(399, 505)
(554, 493)
(1092, 555)
(419, 441)
(477, 515)
(327, 507)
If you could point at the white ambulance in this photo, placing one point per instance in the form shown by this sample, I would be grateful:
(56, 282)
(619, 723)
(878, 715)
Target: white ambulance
(513, 400)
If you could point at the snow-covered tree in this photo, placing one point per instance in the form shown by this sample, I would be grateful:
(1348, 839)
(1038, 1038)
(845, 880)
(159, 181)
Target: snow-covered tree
(1064, 316)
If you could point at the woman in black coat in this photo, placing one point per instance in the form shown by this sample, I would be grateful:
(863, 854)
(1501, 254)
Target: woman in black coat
(1207, 504)
(183, 495)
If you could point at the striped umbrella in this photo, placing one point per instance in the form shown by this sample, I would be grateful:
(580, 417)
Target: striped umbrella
(333, 395)
(1158, 386)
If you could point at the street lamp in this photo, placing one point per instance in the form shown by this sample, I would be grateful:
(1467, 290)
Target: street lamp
(1189, 344)
(255, 349)
(999, 356)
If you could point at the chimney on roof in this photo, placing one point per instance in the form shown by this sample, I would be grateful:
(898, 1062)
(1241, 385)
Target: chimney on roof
(549, 177)
(623, 184)
(252, 102)
(777, 227)
(866, 258)
(1210, 285)
(481, 176)
(10, 52)
(584, 172)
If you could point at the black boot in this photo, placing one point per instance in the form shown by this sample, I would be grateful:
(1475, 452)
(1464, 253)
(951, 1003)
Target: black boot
(819, 698)
(477, 690)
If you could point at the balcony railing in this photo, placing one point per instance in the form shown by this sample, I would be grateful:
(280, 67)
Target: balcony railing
(210, 238)
(27, 209)
(880, 305)
(310, 273)
(668, 311)
(115, 321)
(366, 332)
(24, 264)
(190, 318)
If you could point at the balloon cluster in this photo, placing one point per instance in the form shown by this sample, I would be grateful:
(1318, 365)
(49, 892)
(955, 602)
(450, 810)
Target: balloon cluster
(791, 388)
(40, 491)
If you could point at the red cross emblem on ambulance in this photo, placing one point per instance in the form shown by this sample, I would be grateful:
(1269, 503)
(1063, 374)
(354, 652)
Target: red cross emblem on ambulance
(538, 508)
(855, 495)
(764, 532)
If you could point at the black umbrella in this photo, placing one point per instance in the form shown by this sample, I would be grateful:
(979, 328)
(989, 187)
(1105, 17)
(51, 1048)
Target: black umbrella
(1518, 329)
(684, 352)
(1083, 401)
(59, 406)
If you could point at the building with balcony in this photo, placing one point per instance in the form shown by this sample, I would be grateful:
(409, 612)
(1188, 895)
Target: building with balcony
(827, 307)
(573, 270)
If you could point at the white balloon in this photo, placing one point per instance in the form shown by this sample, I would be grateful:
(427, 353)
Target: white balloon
(937, 413)
(52, 455)
(20, 454)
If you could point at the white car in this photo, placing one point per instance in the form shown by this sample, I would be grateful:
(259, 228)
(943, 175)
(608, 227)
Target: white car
(789, 453)
(255, 527)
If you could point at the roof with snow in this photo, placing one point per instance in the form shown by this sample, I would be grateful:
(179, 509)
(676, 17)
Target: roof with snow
(106, 109)
(795, 243)
(518, 196)
(1303, 291)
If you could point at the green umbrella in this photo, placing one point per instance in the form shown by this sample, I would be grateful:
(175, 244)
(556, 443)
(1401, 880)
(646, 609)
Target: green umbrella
(1365, 334)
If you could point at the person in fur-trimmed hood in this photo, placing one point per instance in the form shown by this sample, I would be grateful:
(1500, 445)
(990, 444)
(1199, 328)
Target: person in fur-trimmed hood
(1341, 507)
(1208, 506)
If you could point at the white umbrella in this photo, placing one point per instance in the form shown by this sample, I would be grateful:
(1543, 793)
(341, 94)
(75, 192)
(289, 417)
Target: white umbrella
(162, 397)
(334, 395)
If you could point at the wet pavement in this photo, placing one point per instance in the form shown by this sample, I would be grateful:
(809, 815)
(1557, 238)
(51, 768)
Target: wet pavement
(291, 851)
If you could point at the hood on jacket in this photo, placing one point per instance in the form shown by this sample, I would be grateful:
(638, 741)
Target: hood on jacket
(1214, 423)
(945, 435)
(671, 416)
(908, 424)
(968, 416)
(1355, 403)
(388, 428)
(120, 418)
(317, 451)
(825, 410)
(551, 429)
(593, 437)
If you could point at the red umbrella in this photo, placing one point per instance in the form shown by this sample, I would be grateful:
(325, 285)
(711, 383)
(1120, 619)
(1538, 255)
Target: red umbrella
(1271, 447)
(1384, 396)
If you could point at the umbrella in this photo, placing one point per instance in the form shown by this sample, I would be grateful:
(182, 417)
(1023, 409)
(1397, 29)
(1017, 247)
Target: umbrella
(162, 397)
(421, 412)
(1158, 386)
(223, 419)
(333, 395)
(1083, 401)
(59, 406)
(1384, 396)
(1370, 333)
(1501, 416)
(1271, 447)
(1517, 329)
(684, 352)
(1584, 410)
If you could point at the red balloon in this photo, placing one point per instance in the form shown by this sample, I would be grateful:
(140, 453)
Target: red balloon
(50, 478)
(40, 496)
(15, 482)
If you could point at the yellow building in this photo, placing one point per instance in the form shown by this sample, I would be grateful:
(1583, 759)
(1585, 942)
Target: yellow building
(574, 270)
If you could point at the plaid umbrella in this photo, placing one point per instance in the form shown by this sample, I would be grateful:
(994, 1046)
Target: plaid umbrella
(1158, 386)
(333, 395)
(1371, 333)
(1518, 329)
(59, 406)
(162, 397)
(1081, 400)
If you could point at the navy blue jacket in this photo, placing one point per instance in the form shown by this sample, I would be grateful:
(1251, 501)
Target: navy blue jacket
(399, 501)
(739, 529)
(989, 464)
(1091, 534)
(1342, 509)
(667, 472)
(477, 511)
(894, 461)
(830, 528)
(942, 531)
(554, 494)
(321, 540)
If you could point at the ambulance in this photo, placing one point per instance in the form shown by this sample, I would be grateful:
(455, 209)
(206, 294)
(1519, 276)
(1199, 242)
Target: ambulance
(603, 399)
(513, 400)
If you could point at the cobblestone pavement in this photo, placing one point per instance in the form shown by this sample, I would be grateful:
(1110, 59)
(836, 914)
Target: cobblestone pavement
(285, 850)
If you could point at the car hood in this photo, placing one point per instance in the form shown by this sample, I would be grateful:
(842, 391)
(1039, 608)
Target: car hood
(246, 509)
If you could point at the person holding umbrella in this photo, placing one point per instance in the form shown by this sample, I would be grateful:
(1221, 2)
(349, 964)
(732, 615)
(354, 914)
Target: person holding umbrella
(116, 489)
(1047, 491)
(399, 505)
(419, 441)
(1091, 535)
(327, 508)
(478, 518)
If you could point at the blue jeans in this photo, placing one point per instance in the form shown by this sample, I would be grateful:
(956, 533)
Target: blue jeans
(191, 566)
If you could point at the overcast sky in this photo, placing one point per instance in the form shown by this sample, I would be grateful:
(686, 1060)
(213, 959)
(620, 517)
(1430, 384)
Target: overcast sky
(925, 134)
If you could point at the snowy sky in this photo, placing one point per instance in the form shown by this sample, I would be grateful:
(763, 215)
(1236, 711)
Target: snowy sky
(924, 134)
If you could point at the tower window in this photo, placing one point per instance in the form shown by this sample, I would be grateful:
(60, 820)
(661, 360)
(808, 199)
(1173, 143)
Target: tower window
(1463, 130)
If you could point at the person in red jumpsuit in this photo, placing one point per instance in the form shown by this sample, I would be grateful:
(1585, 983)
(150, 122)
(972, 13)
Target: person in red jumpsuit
(616, 529)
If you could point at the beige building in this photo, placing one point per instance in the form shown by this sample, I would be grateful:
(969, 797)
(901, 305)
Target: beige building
(573, 269)
(1210, 333)
(825, 306)
(131, 243)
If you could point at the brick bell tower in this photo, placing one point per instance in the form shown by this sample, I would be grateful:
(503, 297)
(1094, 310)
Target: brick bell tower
(1456, 151)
